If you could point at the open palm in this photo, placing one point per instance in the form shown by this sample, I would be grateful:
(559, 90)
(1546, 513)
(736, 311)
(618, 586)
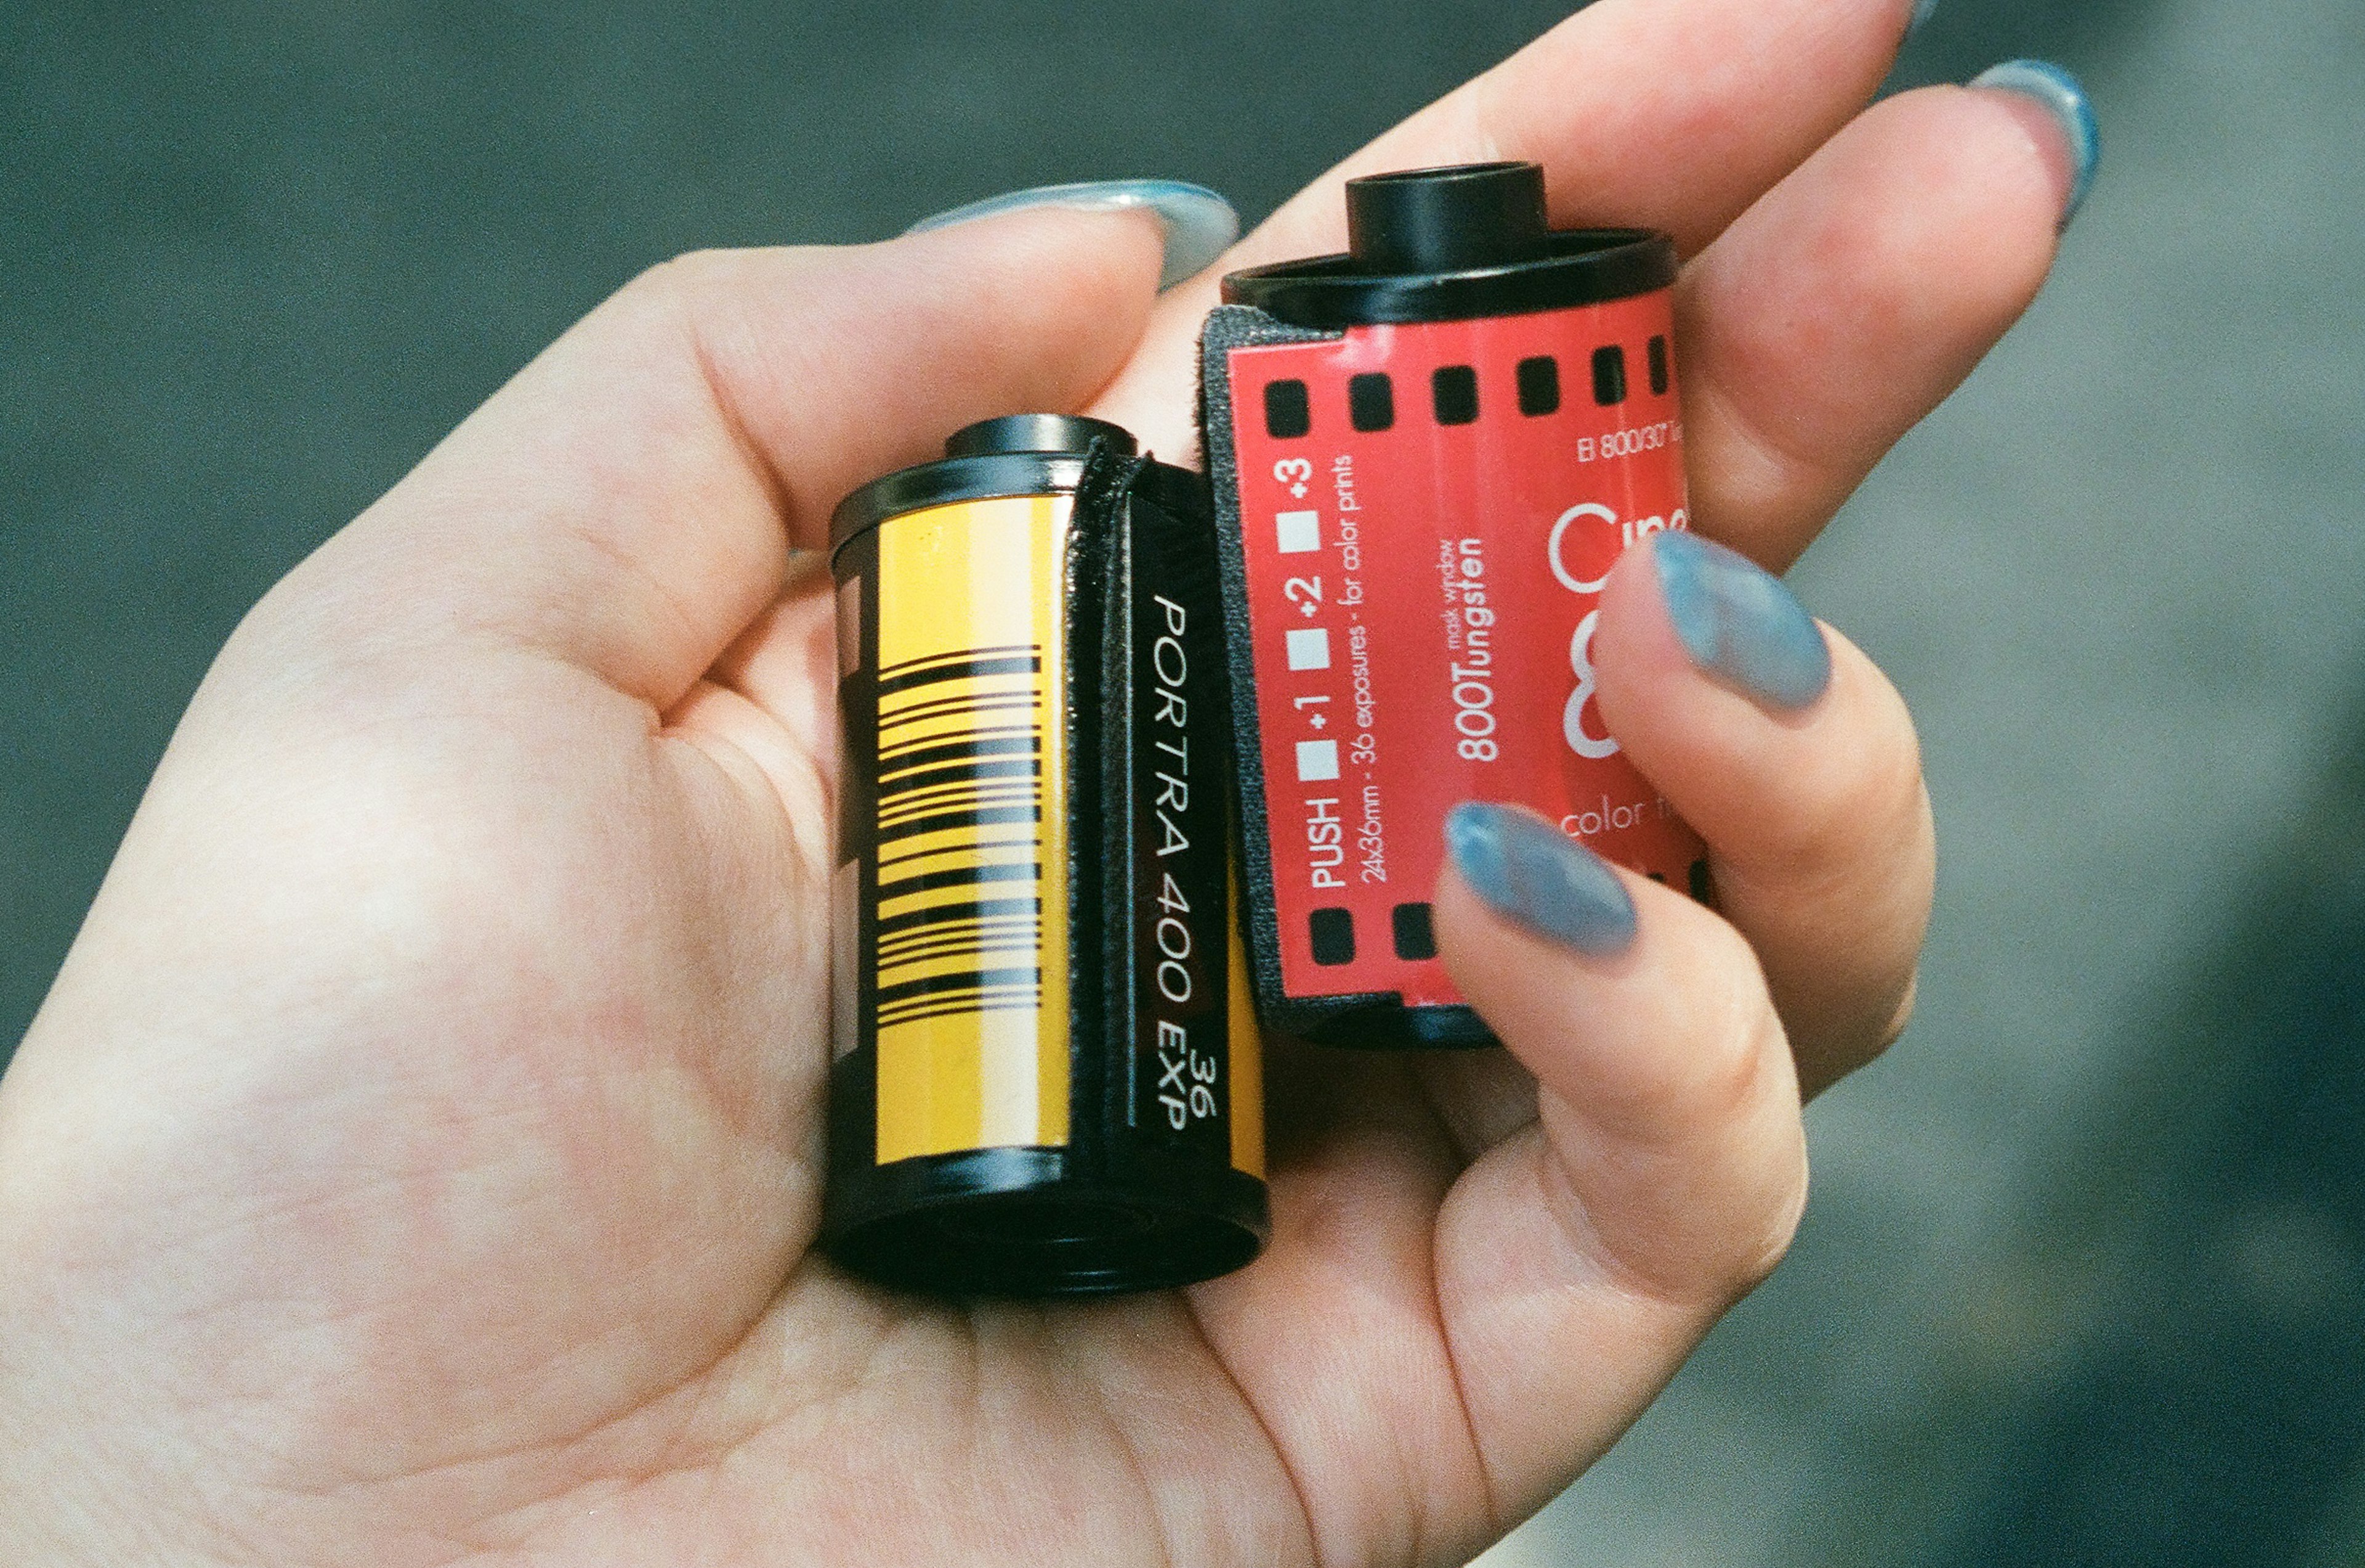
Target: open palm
(419, 1157)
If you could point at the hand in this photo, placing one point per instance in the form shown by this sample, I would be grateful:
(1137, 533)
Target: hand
(418, 1158)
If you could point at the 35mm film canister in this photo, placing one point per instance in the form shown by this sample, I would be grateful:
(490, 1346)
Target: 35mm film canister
(1426, 455)
(1046, 1076)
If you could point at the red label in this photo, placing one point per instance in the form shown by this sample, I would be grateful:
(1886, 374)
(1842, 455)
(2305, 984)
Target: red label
(1429, 513)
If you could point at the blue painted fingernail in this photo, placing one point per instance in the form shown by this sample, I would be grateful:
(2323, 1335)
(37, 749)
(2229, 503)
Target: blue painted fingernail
(2063, 96)
(1529, 871)
(1740, 624)
(1199, 225)
(1922, 12)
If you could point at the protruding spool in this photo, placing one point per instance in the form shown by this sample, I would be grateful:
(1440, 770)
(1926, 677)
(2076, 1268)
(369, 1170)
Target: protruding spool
(1454, 244)
(1017, 455)
(1444, 221)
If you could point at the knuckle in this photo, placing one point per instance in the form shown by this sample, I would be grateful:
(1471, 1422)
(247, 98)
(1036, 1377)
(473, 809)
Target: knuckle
(1702, 1158)
(1753, 1100)
(1857, 1033)
(1872, 799)
(1902, 1018)
(1783, 1203)
(667, 301)
(1725, 1058)
(677, 280)
(1738, 1036)
(1746, 1088)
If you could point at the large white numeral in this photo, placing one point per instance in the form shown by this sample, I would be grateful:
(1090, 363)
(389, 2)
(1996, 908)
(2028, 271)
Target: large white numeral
(1572, 718)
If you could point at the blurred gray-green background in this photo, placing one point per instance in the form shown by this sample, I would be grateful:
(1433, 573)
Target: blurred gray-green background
(2084, 1276)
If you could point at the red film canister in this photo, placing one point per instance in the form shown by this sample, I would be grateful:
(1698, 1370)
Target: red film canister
(1426, 455)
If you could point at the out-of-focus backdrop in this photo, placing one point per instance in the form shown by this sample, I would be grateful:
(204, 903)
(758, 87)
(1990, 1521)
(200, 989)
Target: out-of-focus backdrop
(2084, 1276)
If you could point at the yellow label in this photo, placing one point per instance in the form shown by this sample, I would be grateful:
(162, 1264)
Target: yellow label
(972, 967)
(1246, 1050)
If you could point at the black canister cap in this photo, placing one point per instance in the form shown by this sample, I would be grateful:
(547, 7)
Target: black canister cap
(1450, 244)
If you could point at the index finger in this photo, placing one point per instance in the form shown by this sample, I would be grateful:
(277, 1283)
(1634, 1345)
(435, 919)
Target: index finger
(629, 502)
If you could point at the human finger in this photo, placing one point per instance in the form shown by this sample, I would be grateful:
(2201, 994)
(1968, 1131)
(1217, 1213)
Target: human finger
(1580, 1260)
(1796, 760)
(629, 502)
(1855, 297)
(1660, 114)
(1419, 1205)
(1668, 114)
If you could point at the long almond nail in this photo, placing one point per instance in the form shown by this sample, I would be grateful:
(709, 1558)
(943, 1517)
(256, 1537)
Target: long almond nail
(2063, 98)
(1199, 224)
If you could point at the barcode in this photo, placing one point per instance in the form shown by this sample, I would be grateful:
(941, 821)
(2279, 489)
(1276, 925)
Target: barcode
(960, 843)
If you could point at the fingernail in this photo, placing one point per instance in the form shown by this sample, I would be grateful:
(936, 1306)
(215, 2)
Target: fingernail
(1529, 871)
(1922, 12)
(2063, 98)
(1199, 225)
(1738, 624)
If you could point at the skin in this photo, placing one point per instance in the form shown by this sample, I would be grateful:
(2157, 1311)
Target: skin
(416, 1160)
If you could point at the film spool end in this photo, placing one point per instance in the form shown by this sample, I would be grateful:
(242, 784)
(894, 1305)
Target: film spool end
(955, 1233)
(1459, 244)
(1072, 433)
(1448, 219)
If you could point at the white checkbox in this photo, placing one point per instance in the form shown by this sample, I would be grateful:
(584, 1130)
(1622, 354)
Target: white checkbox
(1297, 532)
(1309, 650)
(1316, 761)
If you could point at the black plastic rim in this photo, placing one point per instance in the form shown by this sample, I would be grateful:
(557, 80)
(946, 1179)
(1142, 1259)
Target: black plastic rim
(1583, 266)
(951, 479)
(989, 475)
(1023, 1222)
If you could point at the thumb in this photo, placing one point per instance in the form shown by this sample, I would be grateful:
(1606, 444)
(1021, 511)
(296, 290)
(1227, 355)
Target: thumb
(630, 501)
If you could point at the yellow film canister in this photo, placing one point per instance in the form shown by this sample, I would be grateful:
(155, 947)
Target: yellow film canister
(1045, 1074)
